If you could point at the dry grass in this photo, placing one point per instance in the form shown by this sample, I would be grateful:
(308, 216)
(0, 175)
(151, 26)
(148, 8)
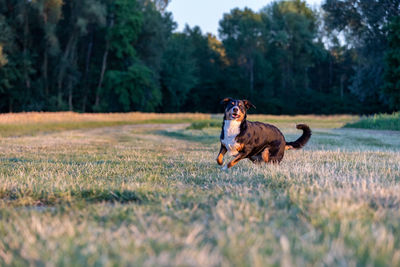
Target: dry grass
(42, 117)
(153, 195)
(19, 124)
(315, 121)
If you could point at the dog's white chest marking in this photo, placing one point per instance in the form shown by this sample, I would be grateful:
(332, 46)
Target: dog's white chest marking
(231, 130)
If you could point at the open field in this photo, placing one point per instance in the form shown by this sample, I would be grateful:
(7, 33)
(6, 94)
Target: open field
(378, 122)
(149, 192)
(19, 124)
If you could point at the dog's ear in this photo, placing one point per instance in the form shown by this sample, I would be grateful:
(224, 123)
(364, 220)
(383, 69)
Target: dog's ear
(248, 104)
(226, 100)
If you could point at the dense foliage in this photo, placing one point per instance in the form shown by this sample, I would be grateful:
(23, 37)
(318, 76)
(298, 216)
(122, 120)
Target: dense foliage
(392, 72)
(124, 55)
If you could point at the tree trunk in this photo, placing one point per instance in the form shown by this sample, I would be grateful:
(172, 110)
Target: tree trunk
(251, 61)
(320, 79)
(342, 79)
(330, 72)
(306, 81)
(10, 105)
(287, 82)
(283, 78)
(86, 83)
(45, 71)
(103, 67)
(71, 83)
(63, 67)
(70, 106)
(25, 51)
(103, 70)
(45, 60)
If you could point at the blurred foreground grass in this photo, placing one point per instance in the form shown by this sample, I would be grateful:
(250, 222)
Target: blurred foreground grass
(152, 194)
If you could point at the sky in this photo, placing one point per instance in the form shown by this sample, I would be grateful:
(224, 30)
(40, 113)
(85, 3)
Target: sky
(207, 13)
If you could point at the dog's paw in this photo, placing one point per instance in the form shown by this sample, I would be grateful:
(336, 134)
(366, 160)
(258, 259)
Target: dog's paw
(224, 168)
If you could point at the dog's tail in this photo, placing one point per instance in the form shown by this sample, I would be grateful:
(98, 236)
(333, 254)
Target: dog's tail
(303, 139)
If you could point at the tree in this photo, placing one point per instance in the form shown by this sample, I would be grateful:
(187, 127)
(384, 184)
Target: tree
(154, 35)
(49, 14)
(391, 85)
(292, 30)
(134, 88)
(3, 58)
(210, 60)
(241, 34)
(178, 72)
(78, 14)
(363, 24)
(13, 64)
(123, 55)
(4, 33)
(292, 48)
(127, 79)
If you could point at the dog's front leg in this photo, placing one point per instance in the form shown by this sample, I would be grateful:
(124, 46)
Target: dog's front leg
(222, 152)
(238, 158)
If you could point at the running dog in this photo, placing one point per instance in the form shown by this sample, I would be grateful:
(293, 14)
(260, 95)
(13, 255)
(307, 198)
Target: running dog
(256, 141)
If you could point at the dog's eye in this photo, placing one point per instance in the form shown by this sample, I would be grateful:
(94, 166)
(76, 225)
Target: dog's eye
(233, 103)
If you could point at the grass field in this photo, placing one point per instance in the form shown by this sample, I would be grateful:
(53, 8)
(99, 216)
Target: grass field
(147, 191)
(378, 122)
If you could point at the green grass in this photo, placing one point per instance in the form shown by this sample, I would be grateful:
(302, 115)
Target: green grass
(152, 194)
(378, 122)
(313, 121)
(199, 125)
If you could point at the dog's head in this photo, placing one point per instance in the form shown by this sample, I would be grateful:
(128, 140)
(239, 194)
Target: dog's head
(236, 109)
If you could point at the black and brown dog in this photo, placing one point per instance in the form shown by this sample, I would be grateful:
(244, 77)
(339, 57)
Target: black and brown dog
(256, 141)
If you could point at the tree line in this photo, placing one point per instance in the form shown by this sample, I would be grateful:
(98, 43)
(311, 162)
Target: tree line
(125, 55)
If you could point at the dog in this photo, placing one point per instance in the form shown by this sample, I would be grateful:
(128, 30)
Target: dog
(259, 142)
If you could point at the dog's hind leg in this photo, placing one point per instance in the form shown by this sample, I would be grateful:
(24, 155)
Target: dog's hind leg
(256, 159)
(277, 156)
(265, 155)
(276, 152)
